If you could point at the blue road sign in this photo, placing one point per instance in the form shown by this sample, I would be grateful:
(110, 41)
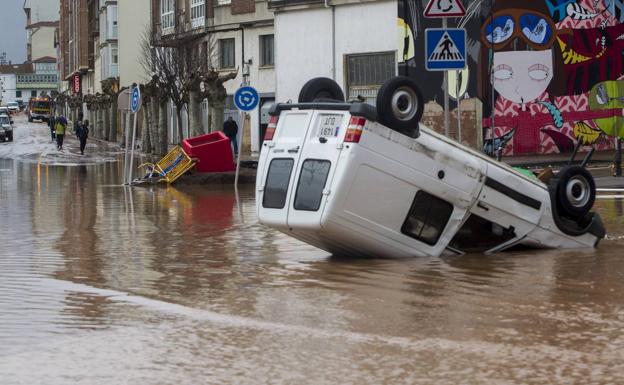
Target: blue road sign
(135, 100)
(445, 49)
(246, 98)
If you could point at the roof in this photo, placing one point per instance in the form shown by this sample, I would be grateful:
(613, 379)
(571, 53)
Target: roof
(26, 68)
(45, 59)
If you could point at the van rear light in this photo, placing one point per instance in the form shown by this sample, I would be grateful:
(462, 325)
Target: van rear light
(270, 131)
(354, 130)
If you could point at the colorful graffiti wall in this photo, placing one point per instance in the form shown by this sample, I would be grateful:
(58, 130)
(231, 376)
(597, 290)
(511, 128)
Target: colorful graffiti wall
(548, 73)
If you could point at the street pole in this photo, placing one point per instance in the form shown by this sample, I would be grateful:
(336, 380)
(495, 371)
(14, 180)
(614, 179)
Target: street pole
(130, 167)
(457, 91)
(239, 142)
(618, 156)
(445, 85)
(127, 141)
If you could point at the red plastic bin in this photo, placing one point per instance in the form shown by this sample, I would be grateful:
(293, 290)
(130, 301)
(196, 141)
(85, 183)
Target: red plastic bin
(212, 151)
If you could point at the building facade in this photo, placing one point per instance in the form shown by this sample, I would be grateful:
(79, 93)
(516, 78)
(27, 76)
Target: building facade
(236, 35)
(356, 55)
(134, 21)
(8, 81)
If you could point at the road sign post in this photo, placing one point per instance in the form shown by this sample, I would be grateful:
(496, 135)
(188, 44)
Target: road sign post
(445, 48)
(133, 97)
(246, 99)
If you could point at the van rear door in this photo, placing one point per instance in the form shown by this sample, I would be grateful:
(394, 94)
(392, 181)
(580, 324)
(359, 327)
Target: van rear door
(279, 158)
(313, 176)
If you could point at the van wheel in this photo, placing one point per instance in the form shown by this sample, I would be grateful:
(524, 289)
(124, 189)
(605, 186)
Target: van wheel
(400, 105)
(576, 191)
(321, 88)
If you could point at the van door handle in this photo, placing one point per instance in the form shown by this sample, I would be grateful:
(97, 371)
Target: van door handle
(294, 150)
(483, 206)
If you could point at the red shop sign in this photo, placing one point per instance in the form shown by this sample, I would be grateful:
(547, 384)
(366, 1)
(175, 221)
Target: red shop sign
(76, 82)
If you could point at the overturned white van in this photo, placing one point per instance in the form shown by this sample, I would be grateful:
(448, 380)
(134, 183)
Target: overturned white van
(359, 180)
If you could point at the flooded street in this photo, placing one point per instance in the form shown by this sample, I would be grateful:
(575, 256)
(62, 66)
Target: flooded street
(103, 284)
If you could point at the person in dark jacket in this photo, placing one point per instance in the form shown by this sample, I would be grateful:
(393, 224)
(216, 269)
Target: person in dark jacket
(82, 132)
(51, 124)
(230, 129)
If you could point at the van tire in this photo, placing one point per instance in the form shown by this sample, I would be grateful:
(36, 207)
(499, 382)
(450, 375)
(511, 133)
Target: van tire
(576, 191)
(400, 105)
(321, 88)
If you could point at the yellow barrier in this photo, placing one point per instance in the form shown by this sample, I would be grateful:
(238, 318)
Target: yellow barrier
(171, 167)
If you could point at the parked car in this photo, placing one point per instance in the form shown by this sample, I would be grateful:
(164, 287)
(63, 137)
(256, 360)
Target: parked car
(21, 104)
(13, 107)
(4, 110)
(6, 125)
(362, 180)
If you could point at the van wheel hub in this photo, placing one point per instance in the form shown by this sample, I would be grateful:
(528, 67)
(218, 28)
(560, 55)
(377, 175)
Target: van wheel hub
(577, 191)
(404, 103)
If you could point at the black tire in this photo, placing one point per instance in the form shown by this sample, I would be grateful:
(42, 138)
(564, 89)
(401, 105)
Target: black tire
(10, 137)
(30, 119)
(576, 191)
(321, 88)
(400, 105)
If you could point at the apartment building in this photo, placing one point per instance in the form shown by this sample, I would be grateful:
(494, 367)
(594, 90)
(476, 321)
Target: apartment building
(8, 81)
(42, 20)
(237, 35)
(134, 21)
(75, 36)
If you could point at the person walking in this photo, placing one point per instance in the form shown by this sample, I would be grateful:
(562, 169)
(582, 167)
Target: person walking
(83, 133)
(51, 124)
(230, 129)
(60, 127)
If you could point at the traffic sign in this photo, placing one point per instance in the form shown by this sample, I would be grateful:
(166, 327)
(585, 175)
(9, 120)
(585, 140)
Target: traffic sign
(246, 98)
(445, 8)
(135, 100)
(445, 49)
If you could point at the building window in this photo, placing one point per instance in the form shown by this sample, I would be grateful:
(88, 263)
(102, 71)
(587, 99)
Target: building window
(367, 72)
(226, 53)
(267, 54)
(224, 2)
(33, 94)
(18, 94)
(167, 16)
(198, 13)
(112, 19)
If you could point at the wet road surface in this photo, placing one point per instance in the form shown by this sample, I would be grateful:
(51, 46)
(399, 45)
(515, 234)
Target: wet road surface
(101, 284)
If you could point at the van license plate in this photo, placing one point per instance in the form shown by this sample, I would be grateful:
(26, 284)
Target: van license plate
(328, 125)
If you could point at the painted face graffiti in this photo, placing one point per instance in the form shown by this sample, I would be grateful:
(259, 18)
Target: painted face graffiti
(522, 76)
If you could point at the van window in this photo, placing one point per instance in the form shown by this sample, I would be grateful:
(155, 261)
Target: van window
(278, 179)
(311, 184)
(478, 234)
(427, 218)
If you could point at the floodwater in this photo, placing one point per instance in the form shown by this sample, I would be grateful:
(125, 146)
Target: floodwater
(101, 284)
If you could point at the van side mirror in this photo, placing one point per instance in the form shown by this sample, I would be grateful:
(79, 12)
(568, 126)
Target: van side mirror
(11, 122)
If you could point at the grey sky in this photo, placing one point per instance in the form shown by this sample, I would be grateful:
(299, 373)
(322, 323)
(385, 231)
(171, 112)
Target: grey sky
(12, 30)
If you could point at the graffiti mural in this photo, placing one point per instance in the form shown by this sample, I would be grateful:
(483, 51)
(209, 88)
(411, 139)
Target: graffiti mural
(548, 72)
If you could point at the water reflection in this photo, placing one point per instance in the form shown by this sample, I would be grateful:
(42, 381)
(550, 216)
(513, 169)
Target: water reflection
(173, 284)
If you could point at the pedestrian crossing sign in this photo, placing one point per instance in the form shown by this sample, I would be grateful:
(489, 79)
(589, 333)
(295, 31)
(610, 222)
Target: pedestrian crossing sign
(445, 49)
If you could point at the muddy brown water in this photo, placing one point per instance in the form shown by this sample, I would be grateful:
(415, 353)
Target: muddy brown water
(101, 284)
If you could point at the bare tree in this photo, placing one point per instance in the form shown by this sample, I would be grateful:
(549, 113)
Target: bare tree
(185, 75)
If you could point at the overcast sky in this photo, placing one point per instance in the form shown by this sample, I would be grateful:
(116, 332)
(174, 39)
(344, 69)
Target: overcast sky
(12, 30)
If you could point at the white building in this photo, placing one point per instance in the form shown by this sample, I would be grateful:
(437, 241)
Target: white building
(41, 21)
(109, 32)
(133, 22)
(239, 36)
(352, 42)
(7, 86)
